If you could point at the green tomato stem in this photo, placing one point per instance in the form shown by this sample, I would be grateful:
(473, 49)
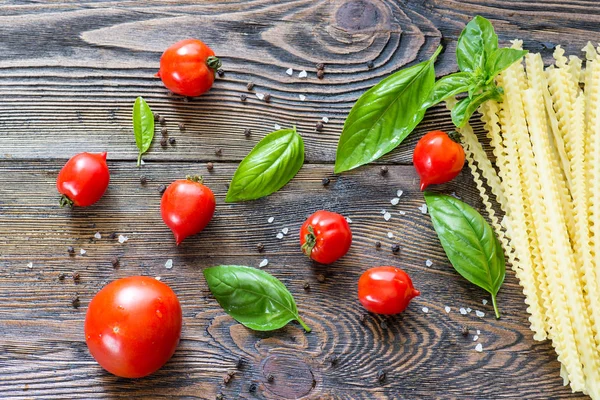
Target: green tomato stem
(306, 328)
(495, 306)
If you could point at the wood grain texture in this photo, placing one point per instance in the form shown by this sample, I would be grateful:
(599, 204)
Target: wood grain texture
(69, 73)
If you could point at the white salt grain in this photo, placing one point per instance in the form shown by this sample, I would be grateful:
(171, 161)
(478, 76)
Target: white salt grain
(302, 74)
(475, 338)
(123, 239)
(402, 212)
(277, 127)
(480, 314)
(463, 311)
(479, 347)
(423, 208)
(82, 252)
(469, 310)
(285, 231)
(98, 235)
(30, 265)
(260, 96)
(484, 301)
(395, 201)
(270, 220)
(142, 162)
(325, 119)
(280, 235)
(428, 263)
(425, 310)
(390, 235)
(448, 309)
(289, 71)
(349, 220)
(382, 212)
(263, 263)
(387, 216)
(478, 332)
(302, 97)
(157, 278)
(399, 193)
(169, 264)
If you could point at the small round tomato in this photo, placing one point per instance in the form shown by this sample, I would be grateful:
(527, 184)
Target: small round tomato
(133, 325)
(325, 237)
(438, 157)
(187, 206)
(83, 180)
(386, 290)
(188, 67)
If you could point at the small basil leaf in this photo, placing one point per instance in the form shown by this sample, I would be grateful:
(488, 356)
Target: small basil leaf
(449, 85)
(143, 126)
(475, 45)
(384, 115)
(253, 297)
(502, 59)
(272, 163)
(469, 242)
(461, 113)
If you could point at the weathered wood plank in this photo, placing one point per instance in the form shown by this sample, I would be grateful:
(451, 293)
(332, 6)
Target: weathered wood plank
(69, 73)
(43, 353)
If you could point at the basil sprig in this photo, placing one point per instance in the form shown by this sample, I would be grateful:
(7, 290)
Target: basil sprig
(469, 242)
(253, 297)
(272, 163)
(143, 126)
(384, 116)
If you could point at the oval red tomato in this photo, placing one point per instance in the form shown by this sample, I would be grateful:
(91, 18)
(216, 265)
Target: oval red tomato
(188, 67)
(386, 290)
(187, 206)
(133, 325)
(325, 237)
(438, 158)
(83, 180)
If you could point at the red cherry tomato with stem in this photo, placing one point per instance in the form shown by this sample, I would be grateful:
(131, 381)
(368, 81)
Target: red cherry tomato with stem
(386, 290)
(438, 157)
(188, 67)
(133, 325)
(83, 180)
(325, 237)
(187, 206)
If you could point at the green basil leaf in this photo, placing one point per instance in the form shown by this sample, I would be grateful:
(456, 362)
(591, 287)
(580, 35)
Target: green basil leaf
(253, 297)
(502, 59)
(143, 126)
(469, 242)
(464, 109)
(475, 45)
(384, 115)
(449, 85)
(272, 163)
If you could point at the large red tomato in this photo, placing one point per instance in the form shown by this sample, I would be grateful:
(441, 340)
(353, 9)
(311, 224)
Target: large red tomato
(188, 67)
(133, 325)
(325, 237)
(438, 158)
(83, 180)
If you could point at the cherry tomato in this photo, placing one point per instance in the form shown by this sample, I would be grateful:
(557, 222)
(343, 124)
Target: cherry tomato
(386, 290)
(133, 325)
(83, 180)
(438, 158)
(325, 237)
(187, 206)
(188, 67)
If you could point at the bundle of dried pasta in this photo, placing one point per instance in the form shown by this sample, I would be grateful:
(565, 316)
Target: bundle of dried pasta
(545, 137)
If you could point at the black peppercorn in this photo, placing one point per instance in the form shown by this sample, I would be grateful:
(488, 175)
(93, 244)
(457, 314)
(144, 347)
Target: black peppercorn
(370, 64)
(321, 278)
(260, 247)
(161, 189)
(243, 97)
(384, 170)
(220, 72)
(325, 181)
(267, 98)
(172, 141)
(76, 277)
(163, 142)
(253, 387)
(75, 301)
(181, 126)
(161, 120)
(395, 248)
(61, 277)
(378, 244)
(319, 126)
(247, 132)
(465, 330)
(320, 74)
(320, 66)
(143, 180)
(115, 262)
(164, 131)
(71, 250)
(209, 166)
(250, 85)
(156, 116)
(306, 286)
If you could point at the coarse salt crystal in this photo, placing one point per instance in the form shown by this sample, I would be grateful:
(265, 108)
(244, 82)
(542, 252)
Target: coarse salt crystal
(478, 332)
(480, 314)
(302, 97)
(123, 239)
(263, 263)
(169, 264)
(484, 301)
(423, 208)
(279, 235)
(469, 310)
(157, 278)
(142, 162)
(475, 338)
(325, 119)
(285, 231)
(425, 310)
(349, 220)
(270, 220)
(399, 193)
(98, 235)
(390, 235)
(387, 216)
(463, 311)
(302, 74)
(479, 347)
(82, 252)
(260, 96)
(402, 212)
(277, 127)
(429, 263)
(448, 309)
(30, 265)
(382, 212)
(395, 201)
(289, 71)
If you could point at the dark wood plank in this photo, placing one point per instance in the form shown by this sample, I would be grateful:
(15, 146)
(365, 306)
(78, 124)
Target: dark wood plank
(69, 73)
(43, 352)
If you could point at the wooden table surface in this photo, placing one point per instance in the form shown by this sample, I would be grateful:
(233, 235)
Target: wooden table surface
(69, 73)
